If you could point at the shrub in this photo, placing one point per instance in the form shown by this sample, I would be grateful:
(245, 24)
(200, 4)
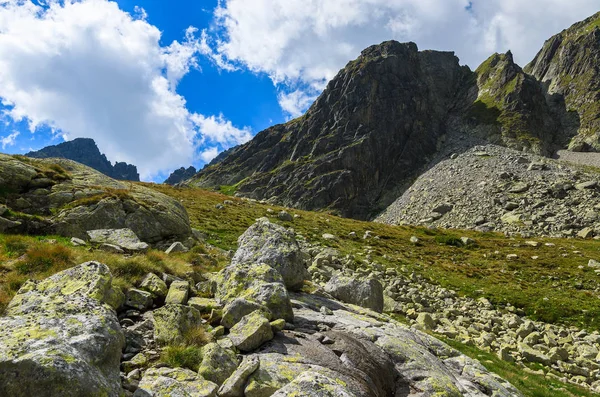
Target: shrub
(182, 356)
(449, 240)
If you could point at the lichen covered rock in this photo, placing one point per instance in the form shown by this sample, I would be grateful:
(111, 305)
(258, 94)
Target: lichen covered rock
(61, 337)
(366, 293)
(174, 382)
(218, 363)
(172, 322)
(266, 242)
(251, 331)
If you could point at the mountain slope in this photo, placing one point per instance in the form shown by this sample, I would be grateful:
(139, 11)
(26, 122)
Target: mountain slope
(85, 151)
(568, 64)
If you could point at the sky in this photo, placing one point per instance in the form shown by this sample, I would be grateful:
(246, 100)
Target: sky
(165, 84)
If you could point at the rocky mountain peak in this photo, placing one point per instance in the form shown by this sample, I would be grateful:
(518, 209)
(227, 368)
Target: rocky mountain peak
(85, 151)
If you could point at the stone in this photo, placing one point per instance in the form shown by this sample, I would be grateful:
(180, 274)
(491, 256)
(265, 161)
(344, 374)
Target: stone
(594, 264)
(426, 321)
(235, 310)
(362, 292)
(138, 361)
(414, 239)
(234, 385)
(328, 236)
(113, 249)
(278, 325)
(511, 218)
(586, 185)
(285, 216)
(172, 322)
(61, 331)
(154, 285)
(265, 242)
(6, 224)
(251, 331)
(178, 293)
(586, 232)
(126, 239)
(217, 363)
(532, 355)
(313, 383)
(203, 305)
(512, 257)
(466, 241)
(443, 208)
(257, 283)
(138, 299)
(176, 247)
(77, 242)
(519, 187)
(174, 382)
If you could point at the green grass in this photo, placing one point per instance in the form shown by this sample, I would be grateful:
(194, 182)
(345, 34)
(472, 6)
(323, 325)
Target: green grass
(182, 356)
(551, 288)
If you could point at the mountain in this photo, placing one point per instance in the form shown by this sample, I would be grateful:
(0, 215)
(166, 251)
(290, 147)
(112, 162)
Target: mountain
(180, 175)
(85, 151)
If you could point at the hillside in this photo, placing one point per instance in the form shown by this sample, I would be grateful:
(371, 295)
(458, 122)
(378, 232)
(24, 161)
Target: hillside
(85, 151)
(395, 111)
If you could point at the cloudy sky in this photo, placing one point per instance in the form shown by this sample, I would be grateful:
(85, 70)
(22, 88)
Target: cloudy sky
(164, 84)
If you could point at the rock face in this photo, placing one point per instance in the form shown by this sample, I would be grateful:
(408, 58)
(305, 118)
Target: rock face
(568, 65)
(58, 196)
(388, 115)
(180, 175)
(85, 151)
(61, 337)
(366, 293)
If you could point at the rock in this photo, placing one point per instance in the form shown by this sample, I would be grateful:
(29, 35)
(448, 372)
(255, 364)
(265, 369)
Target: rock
(285, 216)
(235, 310)
(174, 382)
(511, 218)
(366, 292)
(586, 185)
(176, 247)
(519, 187)
(512, 257)
(536, 166)
(154, 285)
(251, 331)
(586, 232)
(265, 242)
(173, 322)
(234, 385)
(594, 264)
(138, 299)
(178, 292)
(466, 241)
(113, 249)
(61, 331)
(313, 383)
(138, 361)
(278, 325)
(77, 242)
(426, 321)
(203, 305)
(443, 208)
(123, 238)
(532, 355)
(328, 236)
(414, 240)
(217, 363)
(260, 284)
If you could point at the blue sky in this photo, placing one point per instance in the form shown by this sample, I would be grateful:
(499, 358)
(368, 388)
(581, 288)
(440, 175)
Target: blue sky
(168, 84)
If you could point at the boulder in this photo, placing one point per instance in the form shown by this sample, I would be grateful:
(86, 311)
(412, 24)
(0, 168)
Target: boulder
(172, 322)
(153, 284)
(285, 216)
(217, 363)
(61, 337)
(258, 283)
(234, 385)
(178, 292)
(251, 331)
(176, 247)
(366, 292)
(174, 382)
(266, 242)
(122, 238)
(314, 383)
(238, 308)
(203, 305)
(138, 299)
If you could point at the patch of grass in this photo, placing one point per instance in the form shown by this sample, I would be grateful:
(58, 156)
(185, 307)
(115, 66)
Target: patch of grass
(43, 257)
(448, 240)
(197, 336)
(15, 246)
(181, 356)
(228, 190)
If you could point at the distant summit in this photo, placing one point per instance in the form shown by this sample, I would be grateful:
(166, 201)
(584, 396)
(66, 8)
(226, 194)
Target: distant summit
(180, 175)
(85, 151)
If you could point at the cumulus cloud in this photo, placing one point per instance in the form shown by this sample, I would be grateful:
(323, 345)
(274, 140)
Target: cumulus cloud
(88, 69)
(301, 44)
(9, 140)
(208, 154)
(294, 103)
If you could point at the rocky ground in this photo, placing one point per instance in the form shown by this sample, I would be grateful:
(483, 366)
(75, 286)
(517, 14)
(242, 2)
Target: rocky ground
(493, 188)
(262, 336)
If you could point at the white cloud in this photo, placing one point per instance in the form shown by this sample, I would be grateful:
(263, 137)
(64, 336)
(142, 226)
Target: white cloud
(216, 129)
(295, 102)
(301, 43)
(9, 140)
(88, 69)
(208, 154)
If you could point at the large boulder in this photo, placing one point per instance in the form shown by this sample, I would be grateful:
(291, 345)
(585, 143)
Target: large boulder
(174, 382)
(218, 363)
(251, 331)
(68, 198)
(258, 283)
(61, 337)
(172, 322)
(266, 242)
(362, 292)
(125, 239)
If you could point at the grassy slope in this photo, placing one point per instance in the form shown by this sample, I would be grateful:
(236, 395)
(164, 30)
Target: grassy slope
(551, 288)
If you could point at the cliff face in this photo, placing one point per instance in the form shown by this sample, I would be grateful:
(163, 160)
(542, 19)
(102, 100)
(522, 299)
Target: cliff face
(376, 122)
(85, 151)
(568, 65)
(391, 112)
